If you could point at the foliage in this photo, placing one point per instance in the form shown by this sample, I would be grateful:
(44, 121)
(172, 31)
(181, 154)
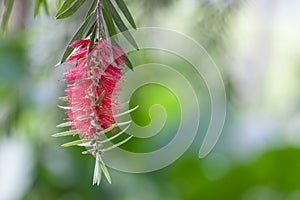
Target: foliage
(8, 4)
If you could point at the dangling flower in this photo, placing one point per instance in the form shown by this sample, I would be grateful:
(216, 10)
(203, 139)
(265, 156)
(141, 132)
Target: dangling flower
(95, 70)
(91, 82)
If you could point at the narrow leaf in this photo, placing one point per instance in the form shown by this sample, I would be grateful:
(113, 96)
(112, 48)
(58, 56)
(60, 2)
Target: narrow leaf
(108, 19)
(88, 145)
(127, 61)
(65, 124)
(58, 3)
(99, 176)
(96, 171)
(120, 24)
(91, 9)
(74, 143)
(64, 107)
(88, 152)
(117, 145)
(116, 135)
(126, 112)
(93, 31)
(92, 40)
(45, 5)
(90, 30)
(64, 6)
(107, 130)
(65, 99)
(37, 7)
(71, 10)
(65, 133)
(105, 171)
(126, 12)
(78, 35)
(80, 118)
(8, 7)
(124, 57)
(100, 98)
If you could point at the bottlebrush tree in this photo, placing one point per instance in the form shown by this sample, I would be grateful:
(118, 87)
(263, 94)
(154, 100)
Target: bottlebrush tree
(95, 65)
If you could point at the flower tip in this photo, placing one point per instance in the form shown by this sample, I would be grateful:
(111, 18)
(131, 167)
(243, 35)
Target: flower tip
(78, 43)
(58, 64)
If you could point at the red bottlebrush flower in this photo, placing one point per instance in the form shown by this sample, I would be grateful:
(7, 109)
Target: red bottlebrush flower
(91, 81)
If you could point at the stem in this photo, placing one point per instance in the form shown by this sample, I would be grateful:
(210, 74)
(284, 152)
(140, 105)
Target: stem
(99, 10)
(103, 30)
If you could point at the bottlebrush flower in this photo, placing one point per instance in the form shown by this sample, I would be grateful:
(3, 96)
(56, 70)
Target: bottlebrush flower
(91, 81)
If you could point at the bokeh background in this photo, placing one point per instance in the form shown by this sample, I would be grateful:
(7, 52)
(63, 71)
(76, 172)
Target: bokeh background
(255, 44)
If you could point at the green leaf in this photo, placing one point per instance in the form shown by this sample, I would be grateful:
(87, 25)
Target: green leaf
(99, 176)
(78, 35)
(126, 12)
(65, 124)
(69, 9)
(90, 31)
(108, 19)
(8, 7)
(100, 98)
(105, 171)
(127, 61)
(74, 143)
(91, 9)
(46, 8)
(92, 40)
(64, 6)
(120, 24)
(58, 3)
(65, 99)
(65, 133)
(37, 7)
(124, 57)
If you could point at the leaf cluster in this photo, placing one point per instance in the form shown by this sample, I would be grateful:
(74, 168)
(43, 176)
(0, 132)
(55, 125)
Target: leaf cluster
(103, 16)
(8, 6)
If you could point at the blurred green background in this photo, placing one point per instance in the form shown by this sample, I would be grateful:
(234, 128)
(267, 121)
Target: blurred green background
(256, 47)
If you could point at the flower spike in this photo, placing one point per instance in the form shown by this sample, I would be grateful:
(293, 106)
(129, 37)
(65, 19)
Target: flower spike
(91, 80)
